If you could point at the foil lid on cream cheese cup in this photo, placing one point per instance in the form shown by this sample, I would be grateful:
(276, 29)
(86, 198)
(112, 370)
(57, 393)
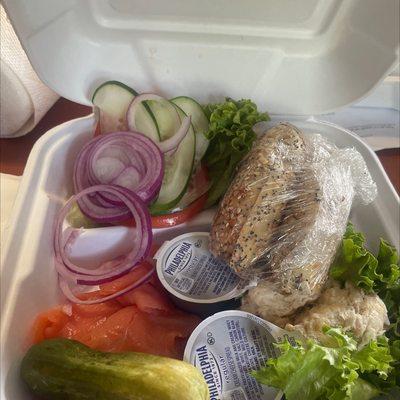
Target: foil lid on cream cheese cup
(189, 271)
(227, 346)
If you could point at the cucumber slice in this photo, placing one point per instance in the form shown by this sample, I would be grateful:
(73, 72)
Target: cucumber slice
(167, 117)
(199, 120)
(77, 219)
(177, 173)
(112, 100)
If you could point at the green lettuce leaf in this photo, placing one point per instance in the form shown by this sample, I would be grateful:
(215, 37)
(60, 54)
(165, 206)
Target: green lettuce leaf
(395, 375)
(355, 263)
(375, 356)
(363, 390)
(315, 372)
(231, 136)
(391, 384)
(380, 274)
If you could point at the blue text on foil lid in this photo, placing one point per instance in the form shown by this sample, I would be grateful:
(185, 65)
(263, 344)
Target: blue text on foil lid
(171, 268)
(206, 370)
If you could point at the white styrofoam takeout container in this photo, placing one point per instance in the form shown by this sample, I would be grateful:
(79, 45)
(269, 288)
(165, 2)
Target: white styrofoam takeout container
(29, 281)
(290, 57)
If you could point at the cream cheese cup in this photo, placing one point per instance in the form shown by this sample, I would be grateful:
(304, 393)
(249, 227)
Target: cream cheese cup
(227, 346)
(197, 281)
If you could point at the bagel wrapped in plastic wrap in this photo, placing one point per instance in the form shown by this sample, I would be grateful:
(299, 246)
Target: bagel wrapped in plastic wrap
(283, 217)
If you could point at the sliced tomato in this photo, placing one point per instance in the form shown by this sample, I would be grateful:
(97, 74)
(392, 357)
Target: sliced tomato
(179, 217)
(199, 181)
(198, 184)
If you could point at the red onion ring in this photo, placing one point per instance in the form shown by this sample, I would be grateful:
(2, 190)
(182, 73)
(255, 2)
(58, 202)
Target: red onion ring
(167, 146)
(117, 267)
(65, 287)
(170, 144)
(130, 151)
(150, 180)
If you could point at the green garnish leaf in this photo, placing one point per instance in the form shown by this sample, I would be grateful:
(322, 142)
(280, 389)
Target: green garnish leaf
(332, 371)
(355, 263)
(380, 274)
(231, 137)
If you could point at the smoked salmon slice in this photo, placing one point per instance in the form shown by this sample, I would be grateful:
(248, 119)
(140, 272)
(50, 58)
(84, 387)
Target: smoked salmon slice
(143, 320)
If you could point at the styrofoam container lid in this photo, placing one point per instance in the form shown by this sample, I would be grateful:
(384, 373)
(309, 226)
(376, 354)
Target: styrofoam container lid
(304, 57)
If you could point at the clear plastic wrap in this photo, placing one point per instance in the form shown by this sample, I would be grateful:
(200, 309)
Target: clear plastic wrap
(283, 217)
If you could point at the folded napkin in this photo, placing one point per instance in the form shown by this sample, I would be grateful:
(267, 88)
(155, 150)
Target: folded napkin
(24, 99)
(378, 127)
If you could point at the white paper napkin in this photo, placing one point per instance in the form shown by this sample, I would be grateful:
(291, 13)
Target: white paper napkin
(24, 98)
(378, 127)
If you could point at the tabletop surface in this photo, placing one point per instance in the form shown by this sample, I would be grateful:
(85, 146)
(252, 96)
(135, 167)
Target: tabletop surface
(15, 152)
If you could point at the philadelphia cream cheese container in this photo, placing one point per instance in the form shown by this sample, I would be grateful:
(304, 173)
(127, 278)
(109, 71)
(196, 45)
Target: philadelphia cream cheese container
(197, 281)
(227, 346)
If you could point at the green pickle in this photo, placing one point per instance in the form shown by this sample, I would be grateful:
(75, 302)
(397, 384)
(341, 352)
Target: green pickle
(65, 369)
